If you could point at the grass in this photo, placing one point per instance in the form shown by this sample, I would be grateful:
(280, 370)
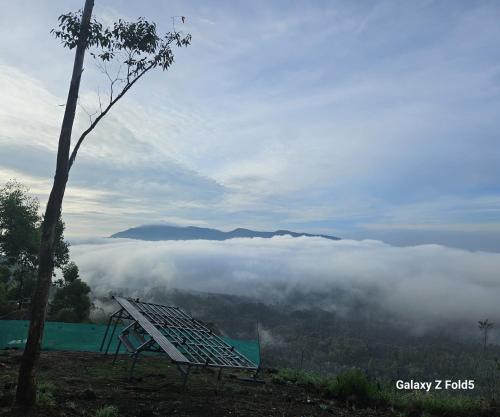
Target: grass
(354, 388)
(45, 394)
(71, 404)
(79, 385)
(351, 386)
(108, 411)
(433, 404)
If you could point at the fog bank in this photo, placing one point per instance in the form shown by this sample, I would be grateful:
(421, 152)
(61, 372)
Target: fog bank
(423, 284)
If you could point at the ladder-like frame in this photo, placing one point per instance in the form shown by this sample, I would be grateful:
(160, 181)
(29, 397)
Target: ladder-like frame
(170, 330)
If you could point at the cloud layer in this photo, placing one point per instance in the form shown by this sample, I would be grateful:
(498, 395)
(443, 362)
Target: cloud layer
(329, 117)
(425, 285)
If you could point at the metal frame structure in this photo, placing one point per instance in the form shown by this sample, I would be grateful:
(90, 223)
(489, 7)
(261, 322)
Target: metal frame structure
(170, 330)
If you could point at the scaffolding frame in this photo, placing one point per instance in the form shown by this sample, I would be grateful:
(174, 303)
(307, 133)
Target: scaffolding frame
(170, 330)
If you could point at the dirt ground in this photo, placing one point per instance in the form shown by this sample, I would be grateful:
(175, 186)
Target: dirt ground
(78, 384)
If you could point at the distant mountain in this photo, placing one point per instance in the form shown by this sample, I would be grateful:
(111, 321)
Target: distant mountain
(163, 232)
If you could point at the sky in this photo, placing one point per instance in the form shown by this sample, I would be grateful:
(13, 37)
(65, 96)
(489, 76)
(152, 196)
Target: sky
(365, 120)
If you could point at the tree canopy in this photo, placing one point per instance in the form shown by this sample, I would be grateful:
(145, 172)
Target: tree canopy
(134, 47)
(20, 231)
(71, 302)
(19, 221)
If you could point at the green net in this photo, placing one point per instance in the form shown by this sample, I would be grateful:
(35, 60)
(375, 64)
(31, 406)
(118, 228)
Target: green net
(87, 337)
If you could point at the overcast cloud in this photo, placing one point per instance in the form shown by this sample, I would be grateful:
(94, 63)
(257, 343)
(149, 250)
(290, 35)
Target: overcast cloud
(374, 119)
(425, 285)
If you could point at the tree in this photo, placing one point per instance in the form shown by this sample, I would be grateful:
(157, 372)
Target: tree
(138, 48)
(4, 273)
(19, 239)
(485, 326)
(71, 302)
(20, 224)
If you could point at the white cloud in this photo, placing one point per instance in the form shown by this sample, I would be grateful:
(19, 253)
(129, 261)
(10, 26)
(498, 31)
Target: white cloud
(447, 227)
(272, 117)
(421, 284)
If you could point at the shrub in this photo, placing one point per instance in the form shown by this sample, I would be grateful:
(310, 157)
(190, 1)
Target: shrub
(66, 315)
(45, 394)
(437, 404)
(108, 411)
(354, 386)
(73, 295)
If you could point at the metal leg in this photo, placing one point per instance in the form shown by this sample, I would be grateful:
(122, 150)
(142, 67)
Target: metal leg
(184, 373)
(111, 337)
(106, 333)
(117, 350)
(134, 360)
(219, 375)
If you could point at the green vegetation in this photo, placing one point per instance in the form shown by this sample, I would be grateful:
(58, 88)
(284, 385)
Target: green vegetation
(354, 388)
(436, 404)
(71, 302)
(20, 233)
(350, 386)
(89, 385)
(329, 342)
(45, 394)
(108, 411)
(19, 242)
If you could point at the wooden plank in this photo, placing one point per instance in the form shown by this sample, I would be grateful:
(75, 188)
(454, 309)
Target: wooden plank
(156, 335)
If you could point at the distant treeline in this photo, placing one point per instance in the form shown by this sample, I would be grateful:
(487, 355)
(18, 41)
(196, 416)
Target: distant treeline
(328, 343)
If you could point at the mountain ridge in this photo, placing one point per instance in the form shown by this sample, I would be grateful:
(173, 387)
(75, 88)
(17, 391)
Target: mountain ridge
(166, 232)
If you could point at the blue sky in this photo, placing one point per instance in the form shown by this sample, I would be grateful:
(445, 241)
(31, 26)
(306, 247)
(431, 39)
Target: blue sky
(360, 119)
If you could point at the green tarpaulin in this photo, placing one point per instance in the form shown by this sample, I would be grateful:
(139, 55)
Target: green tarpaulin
(86, 337)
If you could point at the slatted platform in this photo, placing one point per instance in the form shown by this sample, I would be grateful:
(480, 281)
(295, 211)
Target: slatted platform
(170, 330)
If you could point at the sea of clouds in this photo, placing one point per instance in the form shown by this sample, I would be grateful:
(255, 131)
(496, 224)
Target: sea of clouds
(423, 284)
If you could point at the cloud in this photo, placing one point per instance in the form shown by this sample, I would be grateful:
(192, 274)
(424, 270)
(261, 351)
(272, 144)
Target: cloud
(424, 285)
(461, 227)
(333, 114)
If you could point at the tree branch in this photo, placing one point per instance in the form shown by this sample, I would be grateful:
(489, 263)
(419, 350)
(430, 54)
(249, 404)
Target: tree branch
(90, 115)
(106, 110)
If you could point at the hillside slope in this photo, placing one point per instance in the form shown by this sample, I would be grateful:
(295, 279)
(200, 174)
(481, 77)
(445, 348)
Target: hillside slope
(164, 232)
(79, 384)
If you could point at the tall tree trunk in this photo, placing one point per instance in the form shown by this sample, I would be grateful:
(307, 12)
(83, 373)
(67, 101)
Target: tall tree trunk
(26, 385)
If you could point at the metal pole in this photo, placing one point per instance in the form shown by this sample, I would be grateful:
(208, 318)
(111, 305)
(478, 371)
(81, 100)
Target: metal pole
(186, 375)
(113, 332)
(117, 350)
(106, 333)
(135, 355)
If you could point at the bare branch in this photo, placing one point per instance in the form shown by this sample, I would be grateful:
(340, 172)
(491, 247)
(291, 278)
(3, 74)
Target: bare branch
(90, 115)
(128, 66)
(112, 102)
(99, 98)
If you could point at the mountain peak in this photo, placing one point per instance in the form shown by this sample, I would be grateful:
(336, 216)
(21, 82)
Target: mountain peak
(169, 232)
